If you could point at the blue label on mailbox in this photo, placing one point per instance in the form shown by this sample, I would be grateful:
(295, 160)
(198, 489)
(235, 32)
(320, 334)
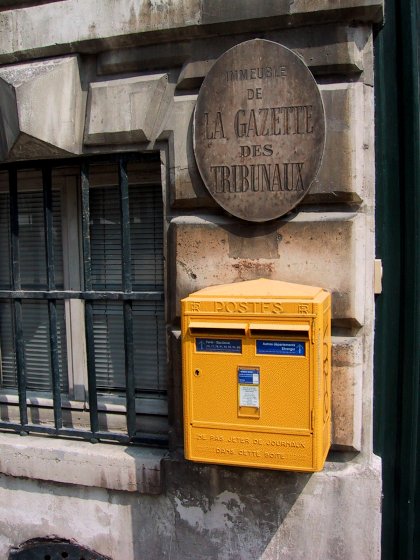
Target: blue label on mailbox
(249, 376)
(230, 346)
(280, 348)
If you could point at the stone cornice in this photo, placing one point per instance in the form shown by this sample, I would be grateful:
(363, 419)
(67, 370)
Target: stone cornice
(91, 26)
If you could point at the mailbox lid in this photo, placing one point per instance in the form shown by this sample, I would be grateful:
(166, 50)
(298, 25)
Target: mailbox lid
(260, 288)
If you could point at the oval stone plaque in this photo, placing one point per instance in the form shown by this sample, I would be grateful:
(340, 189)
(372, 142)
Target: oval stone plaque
(259, 130)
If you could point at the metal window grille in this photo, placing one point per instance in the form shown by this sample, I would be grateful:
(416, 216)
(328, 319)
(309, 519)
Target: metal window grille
(122, 302)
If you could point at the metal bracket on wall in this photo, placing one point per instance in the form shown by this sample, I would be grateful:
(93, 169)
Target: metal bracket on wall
(377, 276)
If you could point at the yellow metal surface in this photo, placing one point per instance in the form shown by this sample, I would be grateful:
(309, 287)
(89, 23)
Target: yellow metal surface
(257, 375)
(277, 327)
(260, 288)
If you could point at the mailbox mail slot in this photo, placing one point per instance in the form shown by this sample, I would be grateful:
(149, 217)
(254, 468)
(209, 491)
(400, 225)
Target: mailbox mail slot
(257, 375)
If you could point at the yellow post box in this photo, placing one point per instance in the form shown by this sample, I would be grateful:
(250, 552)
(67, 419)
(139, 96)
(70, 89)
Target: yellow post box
(257, 375)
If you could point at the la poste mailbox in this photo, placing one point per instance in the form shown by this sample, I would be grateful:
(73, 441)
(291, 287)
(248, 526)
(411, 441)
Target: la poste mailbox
(257, 375)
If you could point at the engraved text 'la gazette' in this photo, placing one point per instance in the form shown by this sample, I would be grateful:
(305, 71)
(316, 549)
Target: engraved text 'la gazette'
(259, 130)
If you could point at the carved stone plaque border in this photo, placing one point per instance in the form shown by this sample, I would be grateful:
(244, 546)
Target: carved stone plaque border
(259, 130)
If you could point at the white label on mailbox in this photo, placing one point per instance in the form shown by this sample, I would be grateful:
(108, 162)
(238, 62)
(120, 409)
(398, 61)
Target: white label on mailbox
(249, 396)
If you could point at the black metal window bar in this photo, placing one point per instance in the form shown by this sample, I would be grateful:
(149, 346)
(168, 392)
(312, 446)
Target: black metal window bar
(126, 295)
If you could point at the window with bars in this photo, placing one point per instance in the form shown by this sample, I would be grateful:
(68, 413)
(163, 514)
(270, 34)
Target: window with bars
(82, 315)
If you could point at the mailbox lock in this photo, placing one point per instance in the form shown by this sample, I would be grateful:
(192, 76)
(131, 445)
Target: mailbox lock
(197, 372)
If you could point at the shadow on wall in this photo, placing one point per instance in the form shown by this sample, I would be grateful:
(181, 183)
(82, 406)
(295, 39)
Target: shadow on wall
(202, 513)
(216, 512)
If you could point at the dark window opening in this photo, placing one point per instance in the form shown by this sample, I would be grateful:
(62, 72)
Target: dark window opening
(82, 314)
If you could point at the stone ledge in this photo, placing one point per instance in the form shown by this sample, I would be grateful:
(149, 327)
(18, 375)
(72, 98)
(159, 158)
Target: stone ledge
(97, 25)
(114, 467)
(331, 48)
(18, 4)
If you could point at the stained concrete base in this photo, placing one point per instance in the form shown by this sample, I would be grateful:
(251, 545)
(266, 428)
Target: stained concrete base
(207, 512)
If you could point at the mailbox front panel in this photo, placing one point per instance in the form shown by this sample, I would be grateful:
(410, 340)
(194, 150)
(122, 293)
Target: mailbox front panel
(253, 395)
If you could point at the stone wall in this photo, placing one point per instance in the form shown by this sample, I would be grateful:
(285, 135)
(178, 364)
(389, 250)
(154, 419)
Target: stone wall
(102, 76)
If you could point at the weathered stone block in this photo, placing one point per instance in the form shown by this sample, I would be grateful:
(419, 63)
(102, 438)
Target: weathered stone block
(318, 505)
(9, 119)
(324, 48)
(329, 49)
(193, 73)
(74, 462)
(46, 107)
(320, 249)
(260, 514)
(341, 175)
(347, 372)
(344, 175)
(126, 111)
(206, 512)
(218, 10)
(186, 186)
(97, 25)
